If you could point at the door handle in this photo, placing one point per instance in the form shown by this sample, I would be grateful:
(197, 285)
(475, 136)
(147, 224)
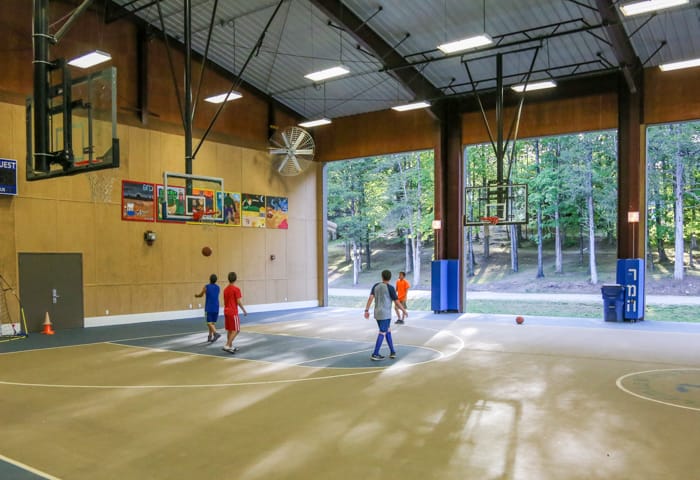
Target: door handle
(54, 296)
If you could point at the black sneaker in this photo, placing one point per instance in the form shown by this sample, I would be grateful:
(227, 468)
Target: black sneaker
(400, 322)
(376, 357)
(392, 355)
(209, 338)
(216, 337)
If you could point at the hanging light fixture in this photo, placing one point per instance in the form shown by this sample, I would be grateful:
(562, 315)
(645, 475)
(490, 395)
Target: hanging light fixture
(223, 97)
(411, 106)
(90, 59)
(646, 6)
(316, 123)
(695, 62)
(534, 86)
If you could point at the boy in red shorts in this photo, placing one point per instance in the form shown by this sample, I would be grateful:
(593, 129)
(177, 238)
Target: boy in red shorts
(232, 300)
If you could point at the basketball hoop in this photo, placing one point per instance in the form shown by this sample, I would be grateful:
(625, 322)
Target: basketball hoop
(197, 215)
(491, 220)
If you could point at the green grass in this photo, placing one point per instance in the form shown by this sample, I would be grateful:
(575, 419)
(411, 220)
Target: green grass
(494, 274)
(661, 313)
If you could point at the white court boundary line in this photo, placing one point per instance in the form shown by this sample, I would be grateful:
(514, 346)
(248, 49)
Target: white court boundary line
(366, 370)
(619, 381)
(26, 467)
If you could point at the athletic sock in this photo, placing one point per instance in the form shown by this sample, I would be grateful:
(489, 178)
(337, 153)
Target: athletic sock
(390, 342)
(380, 339)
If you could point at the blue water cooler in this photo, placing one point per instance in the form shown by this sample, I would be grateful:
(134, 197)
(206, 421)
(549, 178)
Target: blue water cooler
(630, 274)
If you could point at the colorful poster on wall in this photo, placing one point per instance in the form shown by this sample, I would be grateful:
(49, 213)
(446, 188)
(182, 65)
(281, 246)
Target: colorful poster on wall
(230, 204)
(209, 202)
(276, 216)
(174, 202)
(8, 177)
(138, 202)
(253, 210)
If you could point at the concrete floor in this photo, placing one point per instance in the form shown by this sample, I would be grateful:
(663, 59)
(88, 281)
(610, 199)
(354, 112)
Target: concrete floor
(470, 397)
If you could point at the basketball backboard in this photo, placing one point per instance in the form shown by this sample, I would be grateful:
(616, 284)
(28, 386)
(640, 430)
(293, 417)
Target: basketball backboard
(190, 198)
(495, 204)
(82, 125)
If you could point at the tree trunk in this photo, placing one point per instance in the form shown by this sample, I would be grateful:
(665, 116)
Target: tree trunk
(540, 266)
(407, 260)
(487, 240)
(513, 248)
(356, 263)
(368, 253)
(471, 262)
(660, 250)
(558, 254)
(417, 247)
(591, 218)
(693, 246)
(348, 256)
(678, 218)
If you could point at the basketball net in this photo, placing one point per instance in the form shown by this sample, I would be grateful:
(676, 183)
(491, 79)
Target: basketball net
(101, 183)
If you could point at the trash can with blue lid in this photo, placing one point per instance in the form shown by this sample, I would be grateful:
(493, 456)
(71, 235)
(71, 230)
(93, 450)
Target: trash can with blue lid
(613, 302)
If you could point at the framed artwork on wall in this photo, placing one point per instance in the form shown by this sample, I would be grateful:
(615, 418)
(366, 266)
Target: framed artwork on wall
(173, 202)
(253, 210)
(277, 213)
(195, 203)
(138, 202)
(230, 204)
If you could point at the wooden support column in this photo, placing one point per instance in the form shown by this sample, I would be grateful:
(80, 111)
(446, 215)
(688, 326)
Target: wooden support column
(449, 185)
(631, 194)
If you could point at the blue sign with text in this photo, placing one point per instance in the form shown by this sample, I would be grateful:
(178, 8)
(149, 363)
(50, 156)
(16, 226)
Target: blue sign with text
(630, 274)
(8, 177)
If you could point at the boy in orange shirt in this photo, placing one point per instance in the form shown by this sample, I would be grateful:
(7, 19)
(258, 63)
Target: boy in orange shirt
(402, 287)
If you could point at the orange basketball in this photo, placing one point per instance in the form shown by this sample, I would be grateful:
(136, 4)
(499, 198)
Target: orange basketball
(206, 251)
(519, 320)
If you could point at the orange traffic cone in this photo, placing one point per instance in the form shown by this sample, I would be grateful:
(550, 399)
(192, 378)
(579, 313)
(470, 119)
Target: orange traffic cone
(47, 326)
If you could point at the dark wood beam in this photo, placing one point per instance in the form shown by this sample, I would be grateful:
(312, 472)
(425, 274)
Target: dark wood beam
(368, 39)
(627, 58)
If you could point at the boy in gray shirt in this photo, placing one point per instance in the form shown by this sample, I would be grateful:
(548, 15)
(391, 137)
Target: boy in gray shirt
(384, 295)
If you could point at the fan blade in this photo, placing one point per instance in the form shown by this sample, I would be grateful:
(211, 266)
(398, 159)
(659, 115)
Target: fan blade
(279, 151)
(293, 158)
(283, 164)
(302, 136)
(284, 137)
(305, 151)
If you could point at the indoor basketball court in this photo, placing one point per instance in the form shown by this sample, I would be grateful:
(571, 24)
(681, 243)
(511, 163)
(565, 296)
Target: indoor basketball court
(550, 398)
(121, 194)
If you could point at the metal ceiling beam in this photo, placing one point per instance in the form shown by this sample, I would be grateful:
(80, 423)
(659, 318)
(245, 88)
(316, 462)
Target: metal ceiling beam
(408, 76)
(626, 57)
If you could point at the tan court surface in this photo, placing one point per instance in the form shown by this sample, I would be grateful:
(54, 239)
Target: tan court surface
(470, 397)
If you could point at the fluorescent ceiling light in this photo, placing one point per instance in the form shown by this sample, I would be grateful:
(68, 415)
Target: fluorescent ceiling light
(315, 123)
(90, 59)
(646, 6)
(466, 44)
(223, 97)
(534, 86)
(410, 106)
(327, 73)
(679, 65)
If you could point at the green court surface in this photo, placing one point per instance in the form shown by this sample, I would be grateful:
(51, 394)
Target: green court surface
(468, 397)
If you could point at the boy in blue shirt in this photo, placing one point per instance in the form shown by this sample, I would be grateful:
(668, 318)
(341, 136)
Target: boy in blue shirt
(211, 306)
(384, 295)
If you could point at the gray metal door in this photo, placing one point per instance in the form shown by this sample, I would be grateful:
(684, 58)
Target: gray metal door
(53, 283)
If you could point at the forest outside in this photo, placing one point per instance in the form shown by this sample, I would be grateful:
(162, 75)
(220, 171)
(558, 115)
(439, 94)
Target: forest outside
(569, 243)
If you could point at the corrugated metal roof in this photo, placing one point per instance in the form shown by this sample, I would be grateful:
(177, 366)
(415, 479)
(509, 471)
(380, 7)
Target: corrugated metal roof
(567, 35)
